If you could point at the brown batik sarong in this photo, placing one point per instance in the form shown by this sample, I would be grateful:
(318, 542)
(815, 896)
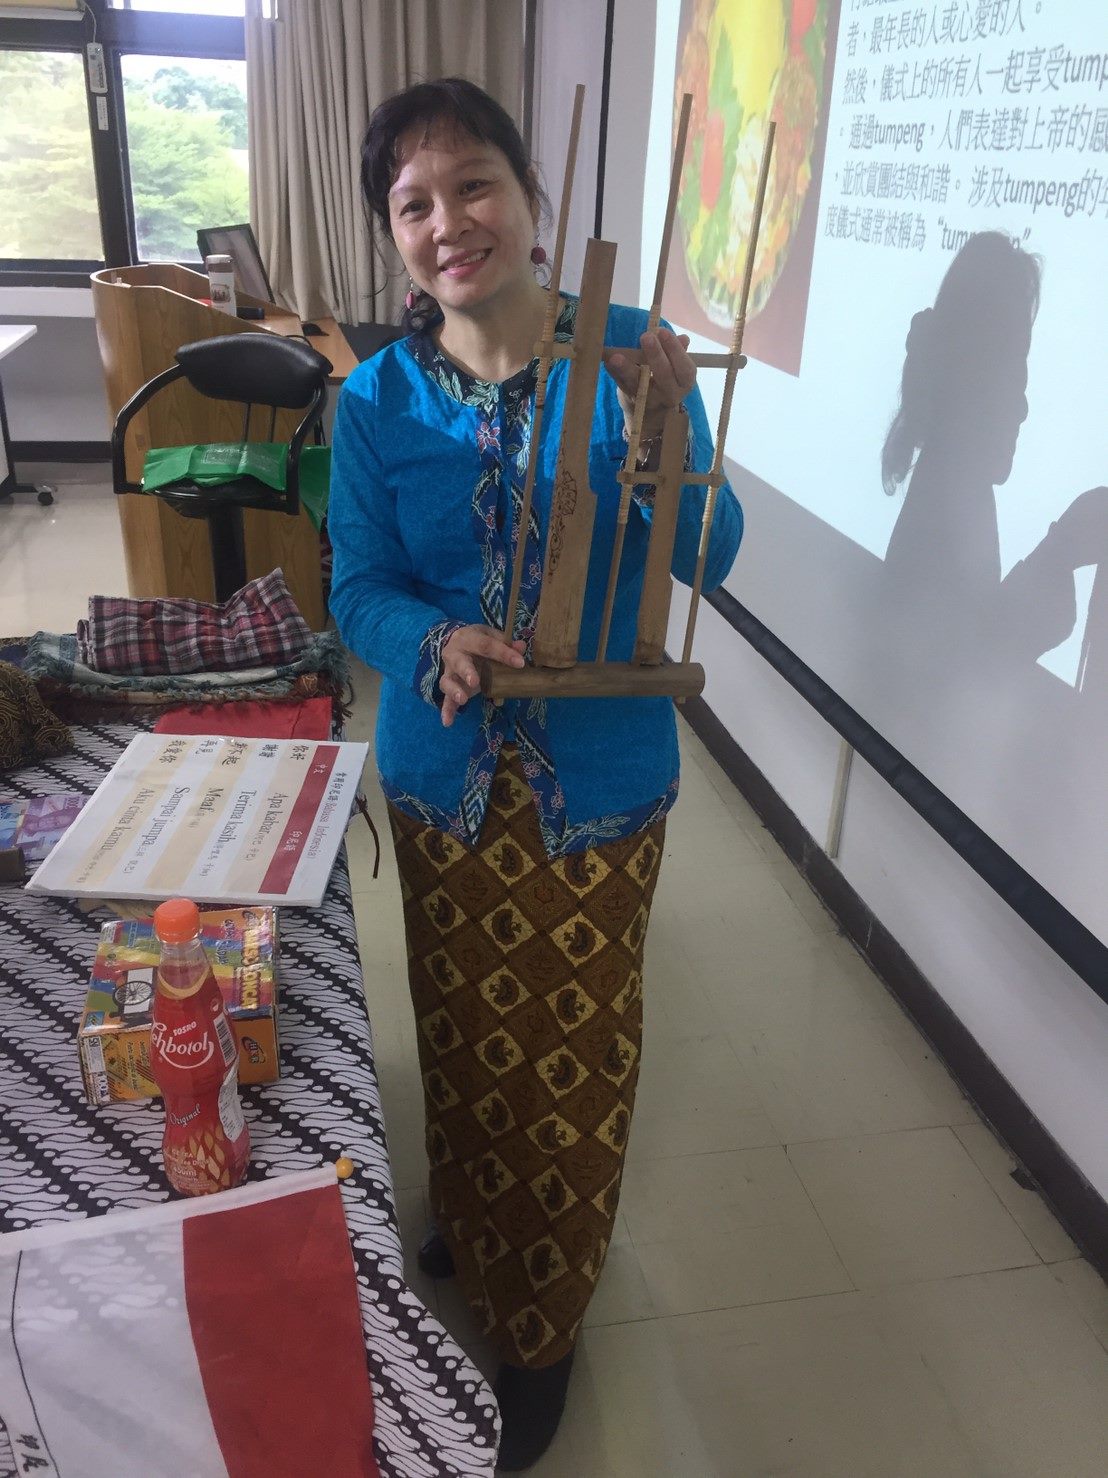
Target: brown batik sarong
(526, 979)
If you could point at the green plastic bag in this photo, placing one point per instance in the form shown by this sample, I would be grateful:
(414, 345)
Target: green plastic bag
(208, 466)
(315, 482)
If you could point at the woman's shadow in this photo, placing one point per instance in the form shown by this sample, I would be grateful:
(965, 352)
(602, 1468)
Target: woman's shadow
(951, 444)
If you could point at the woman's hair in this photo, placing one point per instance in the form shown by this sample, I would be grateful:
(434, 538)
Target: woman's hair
(989, 297)
(461, 107)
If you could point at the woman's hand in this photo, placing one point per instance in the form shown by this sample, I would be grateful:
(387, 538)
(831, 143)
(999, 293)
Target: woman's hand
(1081, 532)
(459, 679)
(672, 376)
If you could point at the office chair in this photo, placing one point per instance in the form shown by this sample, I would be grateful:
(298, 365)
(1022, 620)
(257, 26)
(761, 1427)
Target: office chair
(260, 369)
(368, 339)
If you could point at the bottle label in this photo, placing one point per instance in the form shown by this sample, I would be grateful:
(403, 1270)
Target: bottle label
(226, 1037)
(186, 1046)
(230, 1109)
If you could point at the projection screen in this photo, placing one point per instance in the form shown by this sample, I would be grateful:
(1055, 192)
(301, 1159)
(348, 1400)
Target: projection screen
(920, 439)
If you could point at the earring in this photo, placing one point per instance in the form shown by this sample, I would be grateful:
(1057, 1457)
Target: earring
(410, 295)
(538, 254)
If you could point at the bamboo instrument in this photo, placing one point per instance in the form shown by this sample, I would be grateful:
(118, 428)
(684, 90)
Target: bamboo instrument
(573, 504)
(555, 670)
(735, 363)
(546, 357)
(643, 388)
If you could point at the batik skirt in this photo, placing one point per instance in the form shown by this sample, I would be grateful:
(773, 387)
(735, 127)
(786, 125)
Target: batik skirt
(526, 980)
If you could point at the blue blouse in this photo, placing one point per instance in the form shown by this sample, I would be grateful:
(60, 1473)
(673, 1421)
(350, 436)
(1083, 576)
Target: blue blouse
(428, 468)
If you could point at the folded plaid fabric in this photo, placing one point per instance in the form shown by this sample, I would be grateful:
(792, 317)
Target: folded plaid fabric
(260, 626)
(53, 658)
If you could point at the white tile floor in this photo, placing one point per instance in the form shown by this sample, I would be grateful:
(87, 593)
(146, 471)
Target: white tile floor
(53, 559)
(822, 1267)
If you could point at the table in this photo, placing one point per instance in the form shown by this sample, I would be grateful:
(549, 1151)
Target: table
(11, 336)
(332, 343)
(61, 1158)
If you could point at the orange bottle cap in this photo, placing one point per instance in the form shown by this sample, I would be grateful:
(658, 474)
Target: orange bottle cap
(177, 921)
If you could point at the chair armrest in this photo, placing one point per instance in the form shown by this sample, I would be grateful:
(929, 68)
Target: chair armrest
(119, 431)
(312, 415)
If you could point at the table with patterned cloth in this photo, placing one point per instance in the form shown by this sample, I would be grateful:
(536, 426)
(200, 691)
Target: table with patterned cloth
(61, 1158)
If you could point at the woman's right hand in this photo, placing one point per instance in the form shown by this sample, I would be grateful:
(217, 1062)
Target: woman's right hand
(1081, 532)
(459, 679)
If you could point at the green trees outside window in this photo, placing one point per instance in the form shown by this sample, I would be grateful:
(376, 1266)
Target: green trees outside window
(186, 147)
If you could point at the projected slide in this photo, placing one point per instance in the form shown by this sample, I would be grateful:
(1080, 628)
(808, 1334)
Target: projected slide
(744, 66)
(920, 438)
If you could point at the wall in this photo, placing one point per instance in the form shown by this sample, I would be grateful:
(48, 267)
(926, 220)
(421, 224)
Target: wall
(1042, 1027)
(569, 48)
(53, 384)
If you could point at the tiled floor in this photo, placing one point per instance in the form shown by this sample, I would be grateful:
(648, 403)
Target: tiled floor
(822, 1266)
(53, 559)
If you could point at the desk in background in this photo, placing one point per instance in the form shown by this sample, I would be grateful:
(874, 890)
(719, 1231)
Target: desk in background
(60, 1158)
(11, 336)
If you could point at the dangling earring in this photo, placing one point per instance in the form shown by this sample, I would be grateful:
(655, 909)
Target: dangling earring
(410, 295)
(538, 254)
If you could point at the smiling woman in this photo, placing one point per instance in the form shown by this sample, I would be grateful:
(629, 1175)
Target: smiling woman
(528, 834)
(464, 225)
(438, 160)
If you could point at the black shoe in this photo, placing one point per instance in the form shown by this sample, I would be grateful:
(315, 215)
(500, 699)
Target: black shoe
(531, 1404)
(434, 1257)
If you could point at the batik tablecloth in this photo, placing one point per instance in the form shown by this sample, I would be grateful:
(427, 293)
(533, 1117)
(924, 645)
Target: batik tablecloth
(62, 1158)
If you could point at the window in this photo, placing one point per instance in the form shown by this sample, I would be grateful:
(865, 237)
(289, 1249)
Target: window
(193, 7)
(48, 208)
(186, 150)
(127, 174)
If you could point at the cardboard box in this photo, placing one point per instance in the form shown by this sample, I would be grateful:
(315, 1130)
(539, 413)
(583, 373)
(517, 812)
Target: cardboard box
(114, 1035)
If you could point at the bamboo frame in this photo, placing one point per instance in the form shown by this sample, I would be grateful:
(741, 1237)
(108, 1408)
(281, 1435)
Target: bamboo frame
(555, 670)
(546, 358)
(634, 441)
(737, 361)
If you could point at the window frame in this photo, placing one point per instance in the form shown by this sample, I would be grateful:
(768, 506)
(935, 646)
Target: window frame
(120, 32)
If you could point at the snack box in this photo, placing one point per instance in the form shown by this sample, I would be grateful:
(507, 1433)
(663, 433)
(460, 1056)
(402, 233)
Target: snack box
(34, 825)
(114, 1035)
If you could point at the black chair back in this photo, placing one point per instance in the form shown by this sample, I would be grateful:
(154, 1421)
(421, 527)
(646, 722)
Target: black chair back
(262, 369)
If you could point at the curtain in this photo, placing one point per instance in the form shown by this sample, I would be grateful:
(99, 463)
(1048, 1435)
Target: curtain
(315, 72)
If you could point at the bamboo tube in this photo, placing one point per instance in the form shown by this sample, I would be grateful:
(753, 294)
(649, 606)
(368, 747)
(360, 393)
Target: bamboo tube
(643, 388)
(545, 360)
(728, 390)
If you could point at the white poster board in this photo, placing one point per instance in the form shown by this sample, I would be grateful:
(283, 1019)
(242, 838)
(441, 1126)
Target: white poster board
(220, 820)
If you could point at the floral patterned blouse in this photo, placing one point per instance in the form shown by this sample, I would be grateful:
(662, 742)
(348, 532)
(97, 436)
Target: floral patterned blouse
(426, 494)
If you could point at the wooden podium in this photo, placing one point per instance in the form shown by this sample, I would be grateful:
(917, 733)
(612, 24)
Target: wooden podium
(143, 316)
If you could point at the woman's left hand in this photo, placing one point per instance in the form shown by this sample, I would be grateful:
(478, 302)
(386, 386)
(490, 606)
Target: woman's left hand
(672, 376)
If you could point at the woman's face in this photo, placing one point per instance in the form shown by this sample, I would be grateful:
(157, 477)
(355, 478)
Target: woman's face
(461, 220)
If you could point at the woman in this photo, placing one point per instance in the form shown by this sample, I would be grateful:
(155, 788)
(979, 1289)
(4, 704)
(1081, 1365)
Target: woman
(528, 835)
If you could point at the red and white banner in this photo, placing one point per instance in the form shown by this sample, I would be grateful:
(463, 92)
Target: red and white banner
(216, 1338)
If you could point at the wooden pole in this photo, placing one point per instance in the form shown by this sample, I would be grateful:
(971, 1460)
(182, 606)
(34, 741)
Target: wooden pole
(728, 389)
(657, 581)
(643, 389)
(546, 357)
(573, 502)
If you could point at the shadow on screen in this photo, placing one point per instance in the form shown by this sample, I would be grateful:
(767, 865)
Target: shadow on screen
(936, 650)
(951, 445)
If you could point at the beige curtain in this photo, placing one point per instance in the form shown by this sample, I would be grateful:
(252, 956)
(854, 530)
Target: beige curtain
(315, 72)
